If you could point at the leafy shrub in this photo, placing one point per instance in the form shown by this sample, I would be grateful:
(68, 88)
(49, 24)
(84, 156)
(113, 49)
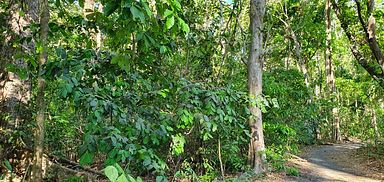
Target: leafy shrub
(292, 171)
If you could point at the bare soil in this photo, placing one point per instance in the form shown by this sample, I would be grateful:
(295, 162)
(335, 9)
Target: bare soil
(334, 162)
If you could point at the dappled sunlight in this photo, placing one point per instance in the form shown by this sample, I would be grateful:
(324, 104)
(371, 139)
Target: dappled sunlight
(319, 162)
(191, 90)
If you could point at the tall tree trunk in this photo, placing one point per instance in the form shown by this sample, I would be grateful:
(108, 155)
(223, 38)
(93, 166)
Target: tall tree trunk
(318, 93)
(37, 172)
(256, 155)
(301, 61)
(330, 72)
(15, 91)
(328, 49)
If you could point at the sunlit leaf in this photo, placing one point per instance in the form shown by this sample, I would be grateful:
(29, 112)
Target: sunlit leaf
(167, 12)
(170, 22)
(137, 13)
(184, 26)
(111, 172)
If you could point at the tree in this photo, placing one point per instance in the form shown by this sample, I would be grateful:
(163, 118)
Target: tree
(330, 72)
(158, 87)
(375, 69)
(14, 82)
(256, 155)
(16, 54)
(40, 103)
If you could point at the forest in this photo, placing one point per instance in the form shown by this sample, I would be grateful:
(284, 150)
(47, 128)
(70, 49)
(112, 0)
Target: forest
(191, 90)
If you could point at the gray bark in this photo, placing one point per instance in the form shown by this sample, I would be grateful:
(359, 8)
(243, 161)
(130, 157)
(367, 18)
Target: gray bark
(256, 153)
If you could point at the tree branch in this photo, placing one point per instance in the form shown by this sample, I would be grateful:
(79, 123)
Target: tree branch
(370, 33)
(370, 68)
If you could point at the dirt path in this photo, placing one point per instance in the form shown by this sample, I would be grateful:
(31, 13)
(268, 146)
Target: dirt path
(329, 163)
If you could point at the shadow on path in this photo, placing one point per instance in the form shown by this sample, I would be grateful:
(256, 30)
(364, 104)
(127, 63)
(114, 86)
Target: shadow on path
(319, 164)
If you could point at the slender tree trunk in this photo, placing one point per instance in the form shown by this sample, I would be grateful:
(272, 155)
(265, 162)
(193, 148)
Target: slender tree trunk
(318, 94)
(328, 49)
(37, 172)
(302, 64)
(99, 36)
(330, 72)
(374, 125)
(286, 61)
(256, 155)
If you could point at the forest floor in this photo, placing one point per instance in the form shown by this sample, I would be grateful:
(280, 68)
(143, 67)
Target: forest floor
(334, 162)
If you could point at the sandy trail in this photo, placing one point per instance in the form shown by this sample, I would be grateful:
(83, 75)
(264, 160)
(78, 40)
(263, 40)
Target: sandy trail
(321, 164)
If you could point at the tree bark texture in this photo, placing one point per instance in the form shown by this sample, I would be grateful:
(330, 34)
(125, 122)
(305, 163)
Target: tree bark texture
(37, 171)
(256, 154)
(14, 91)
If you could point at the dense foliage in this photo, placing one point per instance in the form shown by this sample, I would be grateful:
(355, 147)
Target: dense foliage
(157, 90)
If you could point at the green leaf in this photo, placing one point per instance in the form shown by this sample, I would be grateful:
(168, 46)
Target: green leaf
(21, 13)
(111, 172)
(93, 103)
(214, 127)
(122, 178)
(167, 12)
(163, 49)
(118, 167)
(39, 48)
(176, 4)
(170, 22)
(137, 13)
(131, 179)
(163, 92)
(146, 8)
(147, 162)
(263, 109)
(122, 61)
(178, 143)
(110, 8)
(184, 26)
(161, 179)
(81, 3)
(207, 136)
(138, 179)
(275, 103)
(86, 158)
(8, 165)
